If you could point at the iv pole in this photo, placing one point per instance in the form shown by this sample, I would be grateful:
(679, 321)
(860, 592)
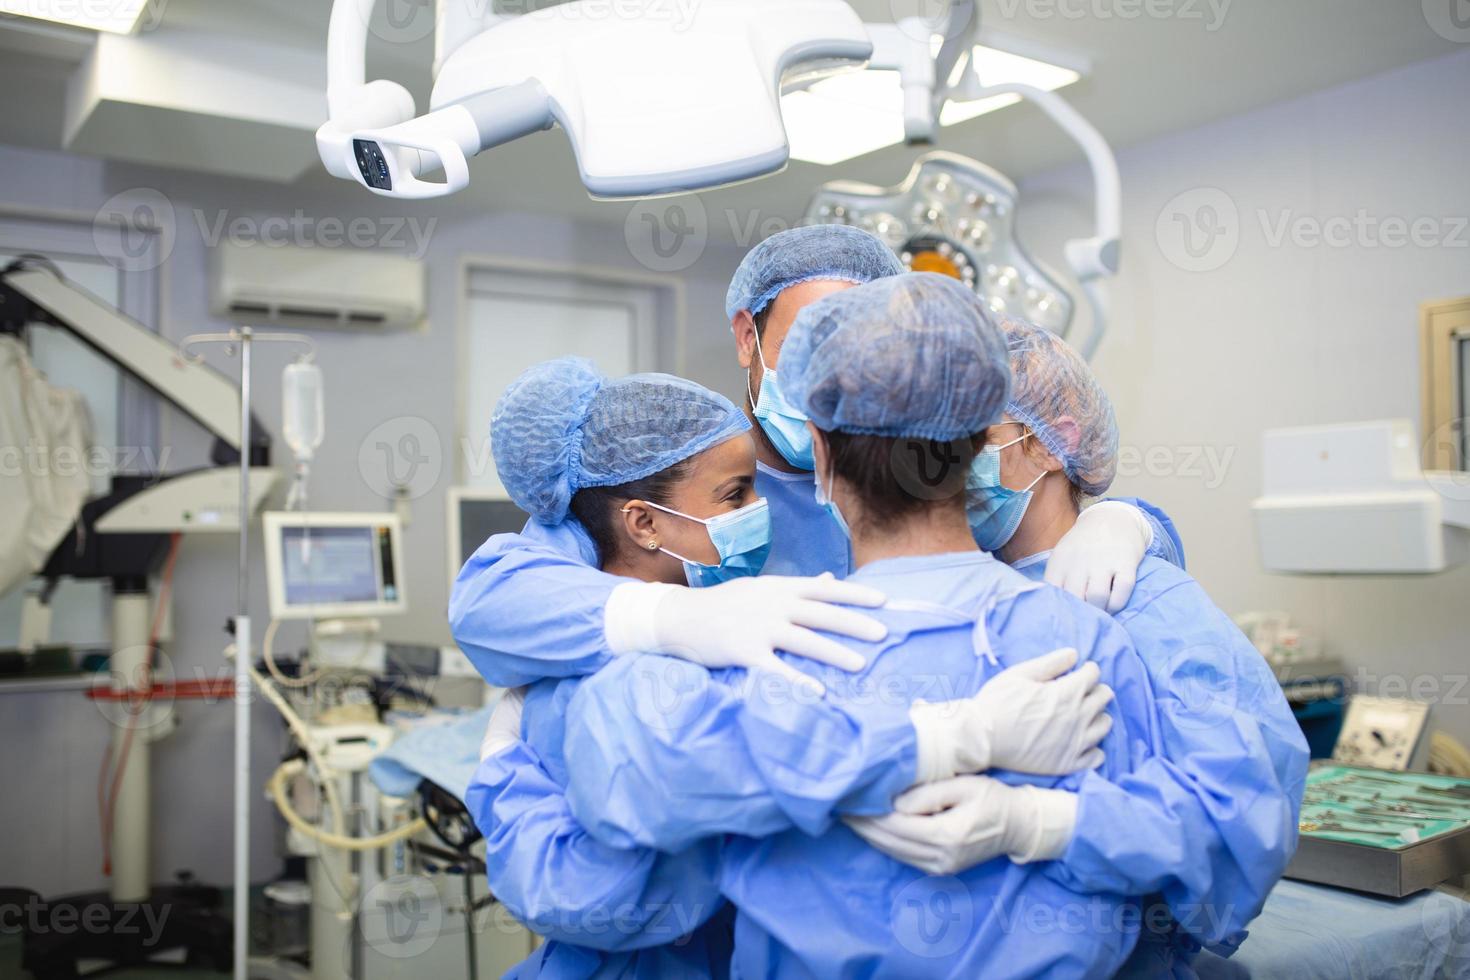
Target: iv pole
(242, 339)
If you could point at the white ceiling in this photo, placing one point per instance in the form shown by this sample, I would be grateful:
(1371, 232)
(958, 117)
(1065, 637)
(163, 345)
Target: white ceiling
(1148, 75)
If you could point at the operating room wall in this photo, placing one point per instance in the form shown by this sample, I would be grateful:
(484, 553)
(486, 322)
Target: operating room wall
(55, 741)
(1287, 332)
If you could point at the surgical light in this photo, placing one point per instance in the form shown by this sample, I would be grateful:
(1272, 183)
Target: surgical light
(954, 216)
(654, 99)
(652, 104)
(113, 16)
(854, 113)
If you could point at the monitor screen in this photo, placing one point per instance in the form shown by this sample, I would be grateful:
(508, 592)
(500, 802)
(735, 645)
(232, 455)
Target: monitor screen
(333, 565)
(482, 519)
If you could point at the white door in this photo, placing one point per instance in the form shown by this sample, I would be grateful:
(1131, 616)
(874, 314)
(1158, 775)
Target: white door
(514, 319)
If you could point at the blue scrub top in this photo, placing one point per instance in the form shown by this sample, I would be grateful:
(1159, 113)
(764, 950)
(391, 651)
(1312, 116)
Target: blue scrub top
(530, 606)
(1212, 823)
(805, 540)
(662, 752)
(606, 913)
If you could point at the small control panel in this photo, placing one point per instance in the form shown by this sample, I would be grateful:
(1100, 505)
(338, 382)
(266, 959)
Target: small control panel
(373, 164)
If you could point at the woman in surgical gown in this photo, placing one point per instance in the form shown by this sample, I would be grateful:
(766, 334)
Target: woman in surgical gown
(1210, 825)
(900, 377)
(660, 472)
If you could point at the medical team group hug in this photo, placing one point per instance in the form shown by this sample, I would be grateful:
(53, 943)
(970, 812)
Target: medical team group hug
(858, 674)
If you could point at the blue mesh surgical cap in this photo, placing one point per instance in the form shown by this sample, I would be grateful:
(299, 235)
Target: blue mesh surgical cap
(806, 254)
(914, 355)
(562, 426)
(1052, 383)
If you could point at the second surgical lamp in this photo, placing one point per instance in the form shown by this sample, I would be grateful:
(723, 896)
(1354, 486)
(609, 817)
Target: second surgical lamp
(651, 102)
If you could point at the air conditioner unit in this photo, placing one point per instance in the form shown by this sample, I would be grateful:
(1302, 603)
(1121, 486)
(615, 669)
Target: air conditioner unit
(315, 287)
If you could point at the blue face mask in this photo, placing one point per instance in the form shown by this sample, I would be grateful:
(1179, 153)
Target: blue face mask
(995, 510)
(742, 538)
(782, 424)
(830, 506)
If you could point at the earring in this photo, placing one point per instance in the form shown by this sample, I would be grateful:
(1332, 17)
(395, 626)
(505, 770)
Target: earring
(653, 546)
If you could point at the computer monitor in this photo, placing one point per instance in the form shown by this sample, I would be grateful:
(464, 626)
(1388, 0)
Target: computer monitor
(334, 566)
(475, 514)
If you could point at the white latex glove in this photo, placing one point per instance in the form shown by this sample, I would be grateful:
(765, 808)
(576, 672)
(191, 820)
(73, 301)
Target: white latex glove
(504, 729)
(1028, 718)
(1097, 560)
(948, 827)
(743, 622)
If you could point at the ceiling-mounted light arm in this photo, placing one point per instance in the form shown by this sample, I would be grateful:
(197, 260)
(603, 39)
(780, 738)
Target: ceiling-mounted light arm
(373, 136)
(961, 32)
(1091, 259)
(904, 48)
(907, 48)
(352, 102)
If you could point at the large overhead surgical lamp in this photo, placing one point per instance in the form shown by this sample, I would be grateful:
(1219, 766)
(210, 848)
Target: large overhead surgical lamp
(652, 103)
(957, 216)
(954, 216)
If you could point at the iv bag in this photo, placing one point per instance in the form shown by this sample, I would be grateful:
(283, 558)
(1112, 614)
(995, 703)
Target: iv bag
(302, 414)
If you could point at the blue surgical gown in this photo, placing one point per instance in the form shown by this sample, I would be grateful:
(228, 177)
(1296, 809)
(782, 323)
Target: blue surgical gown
(530, 605)
(663, 753)
(1212, 823)
(606, 913)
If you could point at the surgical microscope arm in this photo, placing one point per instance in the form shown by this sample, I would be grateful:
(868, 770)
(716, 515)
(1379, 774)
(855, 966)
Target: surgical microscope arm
(33, 294)
(206, 499)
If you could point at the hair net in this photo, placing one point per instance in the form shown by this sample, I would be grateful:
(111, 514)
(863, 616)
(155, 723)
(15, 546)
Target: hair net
(805, 254)
(562, 426)
(911, 355)
(1052, 381)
